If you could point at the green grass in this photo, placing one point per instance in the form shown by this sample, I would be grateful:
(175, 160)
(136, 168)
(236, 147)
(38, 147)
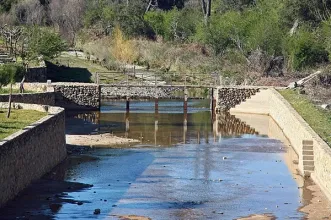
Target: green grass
(15, 91)
(17, 121)
(318, 118)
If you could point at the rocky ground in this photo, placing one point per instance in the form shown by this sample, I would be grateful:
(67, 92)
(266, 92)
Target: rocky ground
(98, 140)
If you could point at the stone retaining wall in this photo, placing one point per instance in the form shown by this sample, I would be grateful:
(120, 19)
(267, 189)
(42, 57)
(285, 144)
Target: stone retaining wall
(138, 92)
(32, 152)
(77, 96)
(47, 98)
(229, 97)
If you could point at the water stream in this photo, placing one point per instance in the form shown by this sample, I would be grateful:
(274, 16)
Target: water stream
(187, 166)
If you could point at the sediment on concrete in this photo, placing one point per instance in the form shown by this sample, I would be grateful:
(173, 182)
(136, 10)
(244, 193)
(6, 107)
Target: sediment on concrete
(299, 133)
(28, 154)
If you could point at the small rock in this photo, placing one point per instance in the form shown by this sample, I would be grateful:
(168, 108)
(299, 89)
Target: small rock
(114, 205)
(326, 106)
(97, 211)
(224, 158)
(220, 180)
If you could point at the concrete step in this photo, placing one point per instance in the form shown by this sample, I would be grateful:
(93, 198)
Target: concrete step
(257, 104)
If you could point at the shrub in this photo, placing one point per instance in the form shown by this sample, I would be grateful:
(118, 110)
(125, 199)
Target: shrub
(10, 73)
(304, 49)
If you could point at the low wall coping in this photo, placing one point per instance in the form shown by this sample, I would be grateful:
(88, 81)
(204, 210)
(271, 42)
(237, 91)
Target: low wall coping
(52, 111)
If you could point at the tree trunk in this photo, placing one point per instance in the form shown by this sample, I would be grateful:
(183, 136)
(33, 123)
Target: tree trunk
(10, 95)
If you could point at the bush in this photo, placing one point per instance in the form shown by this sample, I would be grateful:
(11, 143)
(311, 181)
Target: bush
(178, 25)
(304, 49)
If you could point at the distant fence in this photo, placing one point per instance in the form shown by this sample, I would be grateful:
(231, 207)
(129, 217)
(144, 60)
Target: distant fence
(147, 78)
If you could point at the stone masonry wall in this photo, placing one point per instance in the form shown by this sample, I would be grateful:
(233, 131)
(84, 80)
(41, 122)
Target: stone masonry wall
(138, 92)
(30, 153)
(47, 98)
(82, 96)
(229, 97)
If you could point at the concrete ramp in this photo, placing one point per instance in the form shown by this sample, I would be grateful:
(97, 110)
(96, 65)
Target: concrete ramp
(256, 104)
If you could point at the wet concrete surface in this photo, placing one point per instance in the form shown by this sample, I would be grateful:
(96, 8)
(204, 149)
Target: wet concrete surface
(234, 172)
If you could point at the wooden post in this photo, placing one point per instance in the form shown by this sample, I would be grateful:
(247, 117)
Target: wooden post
(156, 105)
(185, 99)
(127, 77)
(127, 104)
(127, 124)
(198, 137)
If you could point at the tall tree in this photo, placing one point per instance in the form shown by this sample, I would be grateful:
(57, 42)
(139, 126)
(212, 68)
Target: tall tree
(67, 15)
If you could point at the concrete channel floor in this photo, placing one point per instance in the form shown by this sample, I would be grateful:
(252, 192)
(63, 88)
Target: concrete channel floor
(231, 177)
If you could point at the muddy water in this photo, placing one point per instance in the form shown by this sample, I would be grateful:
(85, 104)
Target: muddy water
(187, 166)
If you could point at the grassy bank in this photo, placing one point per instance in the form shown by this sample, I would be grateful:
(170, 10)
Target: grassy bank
(17, 121)
(5, 91)
(317, 118)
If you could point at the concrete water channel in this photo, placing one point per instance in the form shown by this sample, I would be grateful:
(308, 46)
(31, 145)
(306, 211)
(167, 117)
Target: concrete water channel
(186, 166)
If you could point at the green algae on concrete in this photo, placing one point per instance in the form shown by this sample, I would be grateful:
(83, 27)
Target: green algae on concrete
(318, 118)
(17, 121)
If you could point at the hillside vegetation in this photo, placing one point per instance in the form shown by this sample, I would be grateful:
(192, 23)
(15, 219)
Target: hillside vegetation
(244, 40)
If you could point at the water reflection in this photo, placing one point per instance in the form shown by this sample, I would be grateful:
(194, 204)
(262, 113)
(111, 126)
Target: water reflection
(188, 182)
(167, 125)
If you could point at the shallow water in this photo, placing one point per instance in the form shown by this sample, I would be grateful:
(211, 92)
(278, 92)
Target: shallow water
(188, 166)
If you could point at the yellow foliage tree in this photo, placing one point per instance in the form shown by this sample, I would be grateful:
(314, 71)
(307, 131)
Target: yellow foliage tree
(122, 49)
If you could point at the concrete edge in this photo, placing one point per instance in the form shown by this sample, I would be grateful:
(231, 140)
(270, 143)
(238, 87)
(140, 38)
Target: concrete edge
(318, 141)
(51, 110)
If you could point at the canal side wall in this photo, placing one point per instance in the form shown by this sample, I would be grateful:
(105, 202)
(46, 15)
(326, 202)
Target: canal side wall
(45, 98)
(32, 152)
(297, 130)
